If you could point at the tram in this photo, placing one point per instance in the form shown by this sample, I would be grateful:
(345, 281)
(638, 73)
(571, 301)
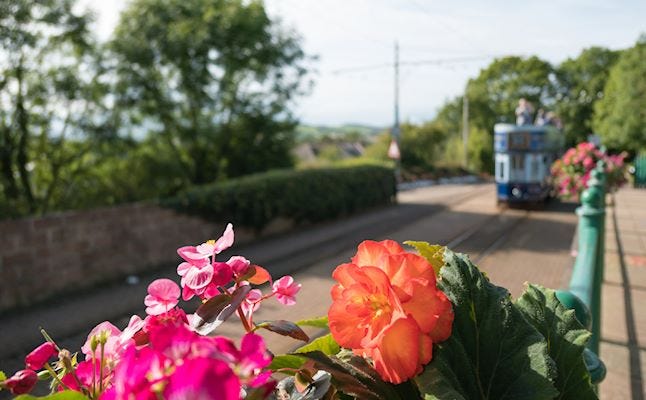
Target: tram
(523, 156)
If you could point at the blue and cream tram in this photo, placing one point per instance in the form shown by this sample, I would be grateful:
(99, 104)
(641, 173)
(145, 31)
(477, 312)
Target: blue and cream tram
(523, 156)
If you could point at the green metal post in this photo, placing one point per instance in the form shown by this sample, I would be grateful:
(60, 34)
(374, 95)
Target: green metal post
(586, 278)
(584, 293)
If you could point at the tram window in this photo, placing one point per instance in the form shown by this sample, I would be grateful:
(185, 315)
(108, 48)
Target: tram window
(502, 162)
(535, 167)
(517, 167)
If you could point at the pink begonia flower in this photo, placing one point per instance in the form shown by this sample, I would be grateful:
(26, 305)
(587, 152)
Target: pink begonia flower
(195, 278)
(249, 361)
(163, 294)
(202, 378)
(112, 345)
(193, 256)
(239, 265)
(588, 162)
(135, 325)
(199, 255)
(40, 355)
(225, 241)
(222, 274)
(135, 375)
(285, 289)
(86, 375)
(201, 274)
(21, 382)
(251, 303)
(253, 355)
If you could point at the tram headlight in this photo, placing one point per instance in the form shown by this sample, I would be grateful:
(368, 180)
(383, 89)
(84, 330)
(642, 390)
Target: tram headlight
(516, 192)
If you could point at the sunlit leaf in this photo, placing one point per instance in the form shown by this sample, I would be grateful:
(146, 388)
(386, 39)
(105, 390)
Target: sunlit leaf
(493, 352)
(287, 362)
(260, 275)
(325, 344)
(567, 340)
(65, 395)
(320, 322)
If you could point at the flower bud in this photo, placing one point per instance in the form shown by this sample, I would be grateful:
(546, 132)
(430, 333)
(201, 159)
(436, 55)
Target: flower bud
(39, 356)
(94, 343)
(22, 381)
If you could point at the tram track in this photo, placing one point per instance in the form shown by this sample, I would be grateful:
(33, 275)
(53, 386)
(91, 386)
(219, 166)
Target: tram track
(302, 254)
(471, 240)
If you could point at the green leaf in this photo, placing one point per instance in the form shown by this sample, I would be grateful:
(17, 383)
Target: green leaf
(65, 395)
(285, 328)
(433, 253)
(493, 352)
(325, 344)
(3, 377)
(567, 340)
(288, 362)
(320, 322)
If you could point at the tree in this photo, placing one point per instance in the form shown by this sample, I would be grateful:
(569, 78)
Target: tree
(212, 80)
(620, 116)
(580, 84)
(49, 101)
(493, 97)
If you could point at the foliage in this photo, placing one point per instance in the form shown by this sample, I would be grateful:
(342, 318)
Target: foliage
(566, 340)
(619, 116)
(580, 84)
(531, 348)
(428, 326)
(494, 93)
(493, 96)
(472, 364)
(572, 172)
(212, 80)
(303, 196)
(52, 108)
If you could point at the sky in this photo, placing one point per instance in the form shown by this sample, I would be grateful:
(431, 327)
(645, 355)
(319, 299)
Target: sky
(458, 37)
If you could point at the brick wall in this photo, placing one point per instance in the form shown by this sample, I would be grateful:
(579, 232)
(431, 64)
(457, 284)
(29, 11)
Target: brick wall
(42, 256)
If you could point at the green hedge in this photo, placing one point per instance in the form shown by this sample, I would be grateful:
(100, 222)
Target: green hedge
(309, 195)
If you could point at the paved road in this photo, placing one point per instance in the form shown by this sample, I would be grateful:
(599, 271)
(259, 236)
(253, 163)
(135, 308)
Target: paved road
(512, 246)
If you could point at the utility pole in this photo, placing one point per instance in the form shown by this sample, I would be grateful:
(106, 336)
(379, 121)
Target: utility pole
(465, 128)
(396, 130)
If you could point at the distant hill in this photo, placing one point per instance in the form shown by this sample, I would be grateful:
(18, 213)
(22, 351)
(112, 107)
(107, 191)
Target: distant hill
(305, 133)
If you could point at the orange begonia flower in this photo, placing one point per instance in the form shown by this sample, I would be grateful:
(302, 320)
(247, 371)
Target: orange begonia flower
(386, 306)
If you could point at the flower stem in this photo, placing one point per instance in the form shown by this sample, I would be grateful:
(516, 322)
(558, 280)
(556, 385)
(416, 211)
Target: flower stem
(101, 367)
(245, 323)
(56, 378)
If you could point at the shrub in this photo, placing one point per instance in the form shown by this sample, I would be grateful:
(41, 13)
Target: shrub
(310, 195)
(572, 172)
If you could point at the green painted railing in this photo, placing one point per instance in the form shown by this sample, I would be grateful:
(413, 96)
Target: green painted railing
(584, 292)
(640, 170)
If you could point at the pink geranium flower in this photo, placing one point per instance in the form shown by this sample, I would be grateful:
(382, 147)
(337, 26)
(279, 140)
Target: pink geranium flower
(112, 345)
(163, 294)
(285, 290)
(203, 378)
